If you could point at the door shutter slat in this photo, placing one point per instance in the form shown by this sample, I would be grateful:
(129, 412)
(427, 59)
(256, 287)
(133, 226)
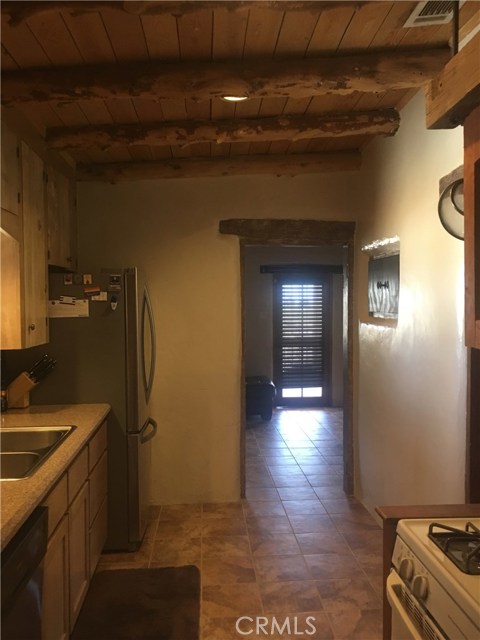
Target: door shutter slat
(301, 335)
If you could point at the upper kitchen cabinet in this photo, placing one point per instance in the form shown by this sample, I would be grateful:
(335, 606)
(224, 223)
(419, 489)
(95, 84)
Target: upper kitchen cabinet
(11, 172)
(61, 218)
(471, 170)
(24, 321)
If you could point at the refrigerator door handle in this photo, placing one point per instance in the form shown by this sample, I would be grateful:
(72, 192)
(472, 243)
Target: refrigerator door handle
(147, 434)
(147, 316)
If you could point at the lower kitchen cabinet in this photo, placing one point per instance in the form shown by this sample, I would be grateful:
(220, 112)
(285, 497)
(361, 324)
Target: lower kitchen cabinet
(56, 590)
(78, 532)
(77, 528)
(98, 511)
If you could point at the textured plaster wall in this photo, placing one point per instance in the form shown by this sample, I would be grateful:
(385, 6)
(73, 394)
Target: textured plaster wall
(410, 378)
(170, 228)
(410, 438)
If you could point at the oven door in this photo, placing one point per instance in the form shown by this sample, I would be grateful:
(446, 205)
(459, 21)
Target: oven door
(409, 620)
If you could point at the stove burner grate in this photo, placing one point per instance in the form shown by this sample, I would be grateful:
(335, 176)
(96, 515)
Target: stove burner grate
(461, 546)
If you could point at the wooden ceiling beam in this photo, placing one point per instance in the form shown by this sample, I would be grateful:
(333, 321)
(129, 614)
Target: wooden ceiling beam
(455, 91)
(17, 12)
(286, 165)
(296, 78)
(186, 132)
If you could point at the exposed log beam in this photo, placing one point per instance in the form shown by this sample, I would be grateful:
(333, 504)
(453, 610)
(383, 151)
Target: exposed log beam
(287, 165)
(304, 232)
(186, 132)
(17, 12)
(455, 91)
(296, 78)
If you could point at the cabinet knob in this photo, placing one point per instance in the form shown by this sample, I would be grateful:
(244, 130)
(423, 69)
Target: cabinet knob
(32, 326)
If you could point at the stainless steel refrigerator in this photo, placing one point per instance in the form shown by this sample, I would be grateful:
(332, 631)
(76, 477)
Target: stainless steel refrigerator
(103, 337)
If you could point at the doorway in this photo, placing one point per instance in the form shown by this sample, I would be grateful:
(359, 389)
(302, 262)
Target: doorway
(302, 349)
(303, 234)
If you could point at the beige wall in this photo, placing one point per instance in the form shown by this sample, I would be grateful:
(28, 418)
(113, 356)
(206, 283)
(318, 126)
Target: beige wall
(170, 228)
(410, 379)
(411, 391)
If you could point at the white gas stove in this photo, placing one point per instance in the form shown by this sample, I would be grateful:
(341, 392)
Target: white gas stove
(434, 585)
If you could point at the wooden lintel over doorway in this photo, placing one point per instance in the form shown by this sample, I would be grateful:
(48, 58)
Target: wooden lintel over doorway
(292, 232)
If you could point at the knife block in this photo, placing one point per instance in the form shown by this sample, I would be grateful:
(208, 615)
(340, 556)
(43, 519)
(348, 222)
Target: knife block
(18, 391)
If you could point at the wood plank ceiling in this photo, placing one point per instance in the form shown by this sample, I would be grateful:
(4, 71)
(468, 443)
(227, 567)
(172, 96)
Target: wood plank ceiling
(134, 89)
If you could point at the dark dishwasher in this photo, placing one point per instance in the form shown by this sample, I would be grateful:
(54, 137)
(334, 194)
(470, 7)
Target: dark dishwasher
(22, 572)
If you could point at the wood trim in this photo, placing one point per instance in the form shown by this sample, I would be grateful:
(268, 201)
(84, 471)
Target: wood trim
(471, 168)
(243, 414)
(292, 232)
(285, 165)
(456, 90)
(472, 463)
(293, 78)
(348, 377)
(186, 132)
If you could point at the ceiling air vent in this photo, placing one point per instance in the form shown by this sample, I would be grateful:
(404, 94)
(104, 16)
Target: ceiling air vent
(428, 13)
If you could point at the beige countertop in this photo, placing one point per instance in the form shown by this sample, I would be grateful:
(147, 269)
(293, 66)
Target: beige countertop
(20, 497)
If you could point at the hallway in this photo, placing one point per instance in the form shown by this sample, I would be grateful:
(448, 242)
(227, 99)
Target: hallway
(295, 547)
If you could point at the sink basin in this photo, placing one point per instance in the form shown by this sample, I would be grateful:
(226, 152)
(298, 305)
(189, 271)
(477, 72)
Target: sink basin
(24, 449)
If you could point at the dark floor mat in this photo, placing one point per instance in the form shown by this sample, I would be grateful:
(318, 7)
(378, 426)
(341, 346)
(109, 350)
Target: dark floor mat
(141, 604)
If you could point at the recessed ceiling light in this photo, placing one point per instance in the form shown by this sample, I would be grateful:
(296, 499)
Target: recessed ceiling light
(234, 98)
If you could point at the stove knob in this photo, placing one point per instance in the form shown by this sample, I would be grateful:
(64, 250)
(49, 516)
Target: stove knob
(420, 587)
(406, 569)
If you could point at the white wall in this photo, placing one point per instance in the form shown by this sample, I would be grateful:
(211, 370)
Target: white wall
(170, 228)
(411, 391)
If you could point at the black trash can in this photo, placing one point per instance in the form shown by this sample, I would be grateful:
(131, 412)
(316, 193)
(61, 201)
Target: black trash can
(260, 394)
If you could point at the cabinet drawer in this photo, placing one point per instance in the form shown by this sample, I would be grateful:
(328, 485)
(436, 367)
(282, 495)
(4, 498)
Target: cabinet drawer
(57, 503)
(98, 486)
(97, 446)
(98, 535)
(77, 474)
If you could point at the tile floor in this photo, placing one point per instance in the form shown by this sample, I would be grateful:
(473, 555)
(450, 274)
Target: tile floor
(297, 556)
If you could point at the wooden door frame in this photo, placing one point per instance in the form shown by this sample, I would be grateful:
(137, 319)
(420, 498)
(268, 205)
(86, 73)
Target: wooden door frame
(306, 233)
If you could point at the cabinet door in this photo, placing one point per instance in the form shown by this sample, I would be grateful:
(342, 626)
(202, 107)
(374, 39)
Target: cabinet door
(34, 250)
(10, 288)
(55, 597)
(79, 552)
(98, 536)
(471, 170)
(11, 172)
(61, 219)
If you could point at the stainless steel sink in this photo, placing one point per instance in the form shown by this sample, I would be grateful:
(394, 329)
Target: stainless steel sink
(24, 449)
